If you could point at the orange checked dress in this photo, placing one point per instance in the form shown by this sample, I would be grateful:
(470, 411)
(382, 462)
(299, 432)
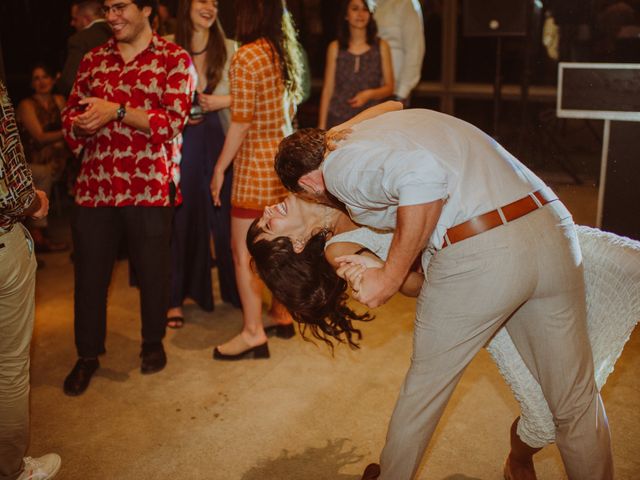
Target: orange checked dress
(258, 97)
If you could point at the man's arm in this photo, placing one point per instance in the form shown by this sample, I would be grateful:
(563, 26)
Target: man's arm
(415, 224)
(75, 138)
(410, 287)
(162, 124)
(413, 48)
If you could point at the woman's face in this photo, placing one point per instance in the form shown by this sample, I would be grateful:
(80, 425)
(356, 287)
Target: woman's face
(204, 13)
(289, 218)
(357, 14)
(41, 81)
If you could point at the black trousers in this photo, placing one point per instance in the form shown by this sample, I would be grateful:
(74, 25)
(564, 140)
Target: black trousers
(97, 232)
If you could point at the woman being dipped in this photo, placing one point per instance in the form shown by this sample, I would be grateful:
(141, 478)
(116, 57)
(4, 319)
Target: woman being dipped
(265, 82)
(358, 72)
(196, 219)
(295, 246)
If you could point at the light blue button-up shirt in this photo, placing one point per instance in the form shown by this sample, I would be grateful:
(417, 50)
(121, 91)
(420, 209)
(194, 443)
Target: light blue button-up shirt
(418, 156)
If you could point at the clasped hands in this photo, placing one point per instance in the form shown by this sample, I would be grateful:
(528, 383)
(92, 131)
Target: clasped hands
(97, 114)
(335, 135)
(366, 277)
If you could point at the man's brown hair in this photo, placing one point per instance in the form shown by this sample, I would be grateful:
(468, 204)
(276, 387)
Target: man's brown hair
(298, 154)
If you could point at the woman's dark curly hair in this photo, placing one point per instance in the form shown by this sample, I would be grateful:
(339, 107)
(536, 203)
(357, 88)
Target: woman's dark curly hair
(306, 284)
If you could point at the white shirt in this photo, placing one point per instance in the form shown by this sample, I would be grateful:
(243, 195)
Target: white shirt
(400, 24)
(417, 156)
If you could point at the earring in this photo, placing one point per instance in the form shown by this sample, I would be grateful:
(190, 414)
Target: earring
(298, 244)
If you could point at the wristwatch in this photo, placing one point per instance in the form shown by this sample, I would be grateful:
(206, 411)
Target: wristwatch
(121, 112)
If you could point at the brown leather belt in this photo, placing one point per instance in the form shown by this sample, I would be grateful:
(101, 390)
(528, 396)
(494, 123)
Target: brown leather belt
(499, 216)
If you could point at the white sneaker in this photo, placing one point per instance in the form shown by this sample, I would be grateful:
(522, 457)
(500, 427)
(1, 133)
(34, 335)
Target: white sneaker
(42, 468)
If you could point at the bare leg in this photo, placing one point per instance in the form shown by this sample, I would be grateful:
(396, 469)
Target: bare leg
(250, 290)
(519, 464)
(278, 315)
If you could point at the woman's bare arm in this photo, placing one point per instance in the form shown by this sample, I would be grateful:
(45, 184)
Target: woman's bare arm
(412, 283)
(27, 115)
(328, 84)
(369, 113)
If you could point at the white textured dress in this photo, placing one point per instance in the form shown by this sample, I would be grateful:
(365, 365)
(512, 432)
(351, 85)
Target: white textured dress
(612, 280)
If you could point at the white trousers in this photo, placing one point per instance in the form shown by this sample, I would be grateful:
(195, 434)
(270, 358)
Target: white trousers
(527, 275)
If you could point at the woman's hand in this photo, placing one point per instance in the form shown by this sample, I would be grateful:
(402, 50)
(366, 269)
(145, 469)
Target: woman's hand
(216, 186)
(359, 99)
(335, 135)
(212, 103)
(367, 261)
(352, 267)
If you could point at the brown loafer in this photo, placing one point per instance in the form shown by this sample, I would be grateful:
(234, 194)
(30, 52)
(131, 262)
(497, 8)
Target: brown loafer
(78, 380)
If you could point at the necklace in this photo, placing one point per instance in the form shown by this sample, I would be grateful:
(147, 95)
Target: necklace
(199, 53)
(327, 228)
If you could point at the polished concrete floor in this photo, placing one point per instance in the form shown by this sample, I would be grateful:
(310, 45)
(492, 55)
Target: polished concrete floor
(303, 414)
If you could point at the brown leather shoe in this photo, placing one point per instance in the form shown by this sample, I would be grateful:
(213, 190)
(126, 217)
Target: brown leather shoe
(78, 380)
(371, 472)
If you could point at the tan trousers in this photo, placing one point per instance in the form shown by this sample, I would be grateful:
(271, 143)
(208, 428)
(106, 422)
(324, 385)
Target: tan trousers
(17, 284)
(527, 274)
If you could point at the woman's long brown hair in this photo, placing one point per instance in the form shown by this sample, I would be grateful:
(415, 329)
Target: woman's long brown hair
(270, 19)
(216, 52)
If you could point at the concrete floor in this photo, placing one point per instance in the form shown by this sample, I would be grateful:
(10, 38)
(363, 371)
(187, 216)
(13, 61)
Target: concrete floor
(303, 414)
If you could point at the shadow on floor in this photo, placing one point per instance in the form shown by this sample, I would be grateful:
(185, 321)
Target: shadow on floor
(327, 462)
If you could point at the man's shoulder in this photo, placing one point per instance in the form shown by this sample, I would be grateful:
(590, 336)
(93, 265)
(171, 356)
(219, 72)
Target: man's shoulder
(97, 54)
(231, 46)
(169, 48)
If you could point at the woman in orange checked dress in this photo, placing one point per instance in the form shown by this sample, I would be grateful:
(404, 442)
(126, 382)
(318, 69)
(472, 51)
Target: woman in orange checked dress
(265, 82)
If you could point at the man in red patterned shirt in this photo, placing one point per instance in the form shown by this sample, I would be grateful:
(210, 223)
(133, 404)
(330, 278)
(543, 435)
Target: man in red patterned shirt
(131, 97)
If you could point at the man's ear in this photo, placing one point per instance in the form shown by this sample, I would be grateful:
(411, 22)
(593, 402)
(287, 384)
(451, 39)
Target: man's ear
(312, 182)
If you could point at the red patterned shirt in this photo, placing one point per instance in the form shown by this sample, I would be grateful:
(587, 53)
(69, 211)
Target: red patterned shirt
(122, 165)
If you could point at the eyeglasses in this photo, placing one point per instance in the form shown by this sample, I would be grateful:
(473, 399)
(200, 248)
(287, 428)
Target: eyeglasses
(117, 9)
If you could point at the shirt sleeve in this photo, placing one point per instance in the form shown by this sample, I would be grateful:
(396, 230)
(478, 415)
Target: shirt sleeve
(169, 120)
(385, 177)
(16, 185)
(416, 178)
(243, 86)
(413, 46)
(81, 89)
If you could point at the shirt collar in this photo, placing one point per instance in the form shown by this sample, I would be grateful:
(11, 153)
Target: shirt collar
(154, 44)
(97, 20)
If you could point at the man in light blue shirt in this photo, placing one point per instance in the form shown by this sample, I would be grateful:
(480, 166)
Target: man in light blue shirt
(505, 252)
